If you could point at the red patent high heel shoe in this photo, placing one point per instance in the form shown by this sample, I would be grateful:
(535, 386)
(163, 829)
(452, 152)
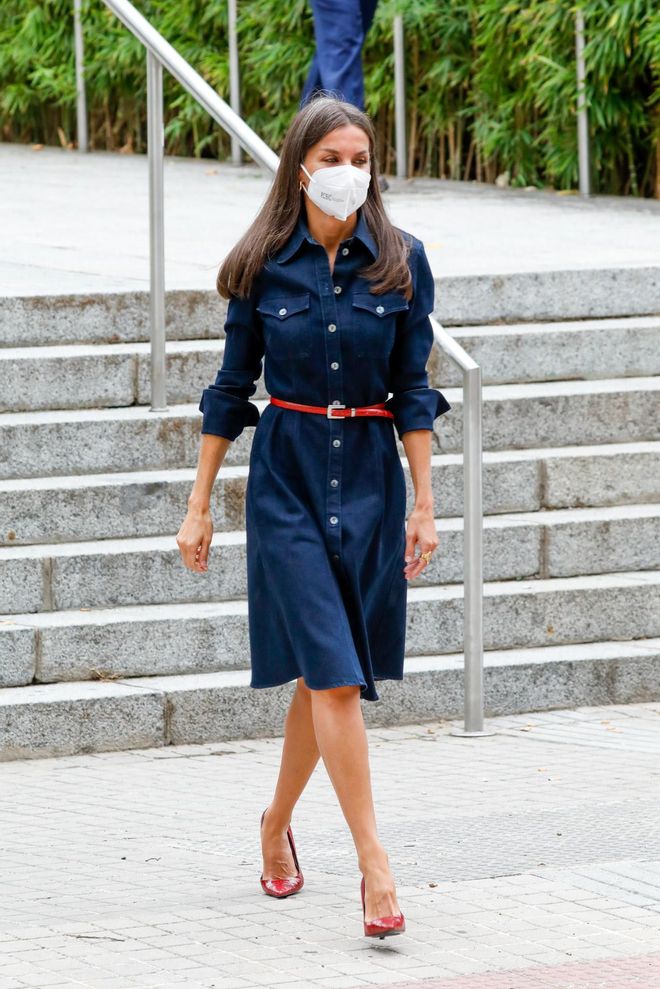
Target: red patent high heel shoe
(382, 926)
(289, 884)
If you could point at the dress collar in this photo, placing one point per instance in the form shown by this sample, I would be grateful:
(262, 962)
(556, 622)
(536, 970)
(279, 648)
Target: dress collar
(301, 232)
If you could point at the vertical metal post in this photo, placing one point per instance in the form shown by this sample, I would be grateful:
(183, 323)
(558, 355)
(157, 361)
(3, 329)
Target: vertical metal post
(234, 77)
(473, 557)
(582, 117)
(155, 137)
(81, 97)
(400, 98)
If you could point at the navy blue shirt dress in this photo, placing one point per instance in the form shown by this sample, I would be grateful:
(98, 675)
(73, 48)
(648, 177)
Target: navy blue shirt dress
(326, 498)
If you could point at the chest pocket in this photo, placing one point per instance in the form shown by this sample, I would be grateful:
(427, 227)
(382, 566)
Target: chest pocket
(373, 324)
(287, 325)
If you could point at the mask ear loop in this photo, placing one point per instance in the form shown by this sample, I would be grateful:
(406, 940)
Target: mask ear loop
(301, 187)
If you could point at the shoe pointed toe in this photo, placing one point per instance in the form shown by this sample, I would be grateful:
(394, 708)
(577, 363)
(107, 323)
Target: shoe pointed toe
(284, 885)
(385, 926)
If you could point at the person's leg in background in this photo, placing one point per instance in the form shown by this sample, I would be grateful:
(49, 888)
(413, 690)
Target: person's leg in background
(340, 27)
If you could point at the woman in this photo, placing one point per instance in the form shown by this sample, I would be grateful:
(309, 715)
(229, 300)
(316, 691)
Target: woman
(337, 301)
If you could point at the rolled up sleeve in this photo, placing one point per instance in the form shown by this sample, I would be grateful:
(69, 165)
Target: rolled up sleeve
(224, 404)
(414, 404)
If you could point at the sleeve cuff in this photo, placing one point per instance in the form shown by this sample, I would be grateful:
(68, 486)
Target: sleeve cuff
(225, 414)
(416, 408)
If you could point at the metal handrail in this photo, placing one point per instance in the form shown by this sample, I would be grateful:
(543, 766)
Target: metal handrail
(161, 54)
(234, 73)
(400, 98)
(473, 637)
(81, 93)
(582, 115)
(191, 81)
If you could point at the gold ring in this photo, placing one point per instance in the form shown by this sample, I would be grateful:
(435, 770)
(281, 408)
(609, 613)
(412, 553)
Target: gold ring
(426, 556)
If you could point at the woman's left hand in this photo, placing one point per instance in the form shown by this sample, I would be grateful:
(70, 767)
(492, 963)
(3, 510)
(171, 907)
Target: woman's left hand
(420, 529)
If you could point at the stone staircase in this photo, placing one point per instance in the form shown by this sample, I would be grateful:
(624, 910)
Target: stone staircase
(108, 642)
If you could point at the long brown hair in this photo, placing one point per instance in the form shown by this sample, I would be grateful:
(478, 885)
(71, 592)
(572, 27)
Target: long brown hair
(279, 214)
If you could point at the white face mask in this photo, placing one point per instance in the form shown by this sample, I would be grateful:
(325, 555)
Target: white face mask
(339, 189)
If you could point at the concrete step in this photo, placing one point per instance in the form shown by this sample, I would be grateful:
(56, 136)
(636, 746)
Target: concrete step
(558, 413)
(141, 640)
(123, 317)
(559, 351)
(555, 413)
(150, 503)
(148, 570)
(66, 718)
(89, 376)
(107, 317)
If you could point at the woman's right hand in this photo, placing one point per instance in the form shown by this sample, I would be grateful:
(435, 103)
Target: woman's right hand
(194, 539)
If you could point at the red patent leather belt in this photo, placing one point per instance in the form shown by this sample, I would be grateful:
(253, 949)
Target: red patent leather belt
(337, 411)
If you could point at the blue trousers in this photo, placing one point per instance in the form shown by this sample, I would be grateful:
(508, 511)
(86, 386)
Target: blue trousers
(340, 27)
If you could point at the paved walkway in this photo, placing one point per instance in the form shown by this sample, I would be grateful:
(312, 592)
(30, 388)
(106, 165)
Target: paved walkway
(75, 223)
(529, 858)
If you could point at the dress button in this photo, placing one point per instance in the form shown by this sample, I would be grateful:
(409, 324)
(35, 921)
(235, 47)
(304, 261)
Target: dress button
(336, 442)
(332, 327)
(337, 289)
(334, 365)
(282, 312)
(334, 482)
(345, 251)
(333, 520)
(335, 556)
(380, 309)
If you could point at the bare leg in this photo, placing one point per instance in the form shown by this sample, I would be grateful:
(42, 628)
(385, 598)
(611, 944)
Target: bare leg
(300, 755)
(343, 743)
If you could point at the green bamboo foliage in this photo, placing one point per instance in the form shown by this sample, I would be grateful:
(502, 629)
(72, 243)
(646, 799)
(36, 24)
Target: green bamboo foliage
(490, 83)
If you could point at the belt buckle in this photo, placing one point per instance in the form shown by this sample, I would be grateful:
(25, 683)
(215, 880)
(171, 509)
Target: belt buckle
(329, 409)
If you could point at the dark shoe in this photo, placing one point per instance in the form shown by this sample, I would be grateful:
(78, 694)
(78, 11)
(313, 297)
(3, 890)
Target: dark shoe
(383, 184)
(289, 884)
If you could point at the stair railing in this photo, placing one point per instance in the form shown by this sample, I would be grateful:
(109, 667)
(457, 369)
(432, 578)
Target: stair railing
(161, 54)
(473, 636)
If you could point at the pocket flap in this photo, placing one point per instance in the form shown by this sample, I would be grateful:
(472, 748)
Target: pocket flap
(380, 305)
(283, 306)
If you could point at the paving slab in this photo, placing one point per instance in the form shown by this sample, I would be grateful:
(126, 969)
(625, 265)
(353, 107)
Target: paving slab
(76, 223)
(527, 859)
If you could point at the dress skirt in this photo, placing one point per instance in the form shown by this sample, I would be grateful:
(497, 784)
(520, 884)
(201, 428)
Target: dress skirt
(325, 540)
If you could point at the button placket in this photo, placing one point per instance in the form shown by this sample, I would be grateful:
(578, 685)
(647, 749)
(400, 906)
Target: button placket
(334, 370)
